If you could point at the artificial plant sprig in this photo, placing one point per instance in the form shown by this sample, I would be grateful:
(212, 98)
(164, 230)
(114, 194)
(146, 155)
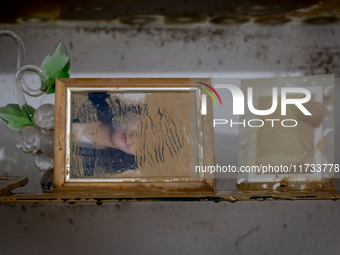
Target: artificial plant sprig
(55, 66)
(15, 118)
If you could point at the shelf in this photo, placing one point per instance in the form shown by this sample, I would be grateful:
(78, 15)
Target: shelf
(109, 195)
(169, 12)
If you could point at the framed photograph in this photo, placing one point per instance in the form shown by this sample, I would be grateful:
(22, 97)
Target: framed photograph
(132, 134)
(292, 152)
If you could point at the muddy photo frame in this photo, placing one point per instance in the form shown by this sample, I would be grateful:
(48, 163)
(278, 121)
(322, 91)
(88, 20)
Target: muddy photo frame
(181, 175)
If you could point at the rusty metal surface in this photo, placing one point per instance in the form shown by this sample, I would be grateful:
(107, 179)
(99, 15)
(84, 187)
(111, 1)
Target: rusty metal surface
(144, 12)
(110, 195)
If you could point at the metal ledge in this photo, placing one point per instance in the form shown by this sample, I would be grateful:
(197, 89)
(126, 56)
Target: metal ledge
(109, 195)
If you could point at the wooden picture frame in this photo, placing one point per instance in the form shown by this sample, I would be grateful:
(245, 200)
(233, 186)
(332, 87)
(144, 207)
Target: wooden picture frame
(200, 142)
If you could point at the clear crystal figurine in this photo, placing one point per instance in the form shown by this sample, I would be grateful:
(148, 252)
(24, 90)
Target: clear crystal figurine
(28, 139)
(47, 142)
(43, 162)
(46, 181)
(44, 116)
(36, 127)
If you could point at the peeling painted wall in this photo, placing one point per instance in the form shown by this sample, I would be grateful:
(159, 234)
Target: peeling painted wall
(299, 227)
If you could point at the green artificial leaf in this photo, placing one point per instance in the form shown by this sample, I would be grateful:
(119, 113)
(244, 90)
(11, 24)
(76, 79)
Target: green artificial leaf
(15, 118)
(56, 66)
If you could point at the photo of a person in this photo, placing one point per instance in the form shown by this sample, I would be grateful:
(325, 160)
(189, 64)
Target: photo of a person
(107, 137)
(119, 134)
